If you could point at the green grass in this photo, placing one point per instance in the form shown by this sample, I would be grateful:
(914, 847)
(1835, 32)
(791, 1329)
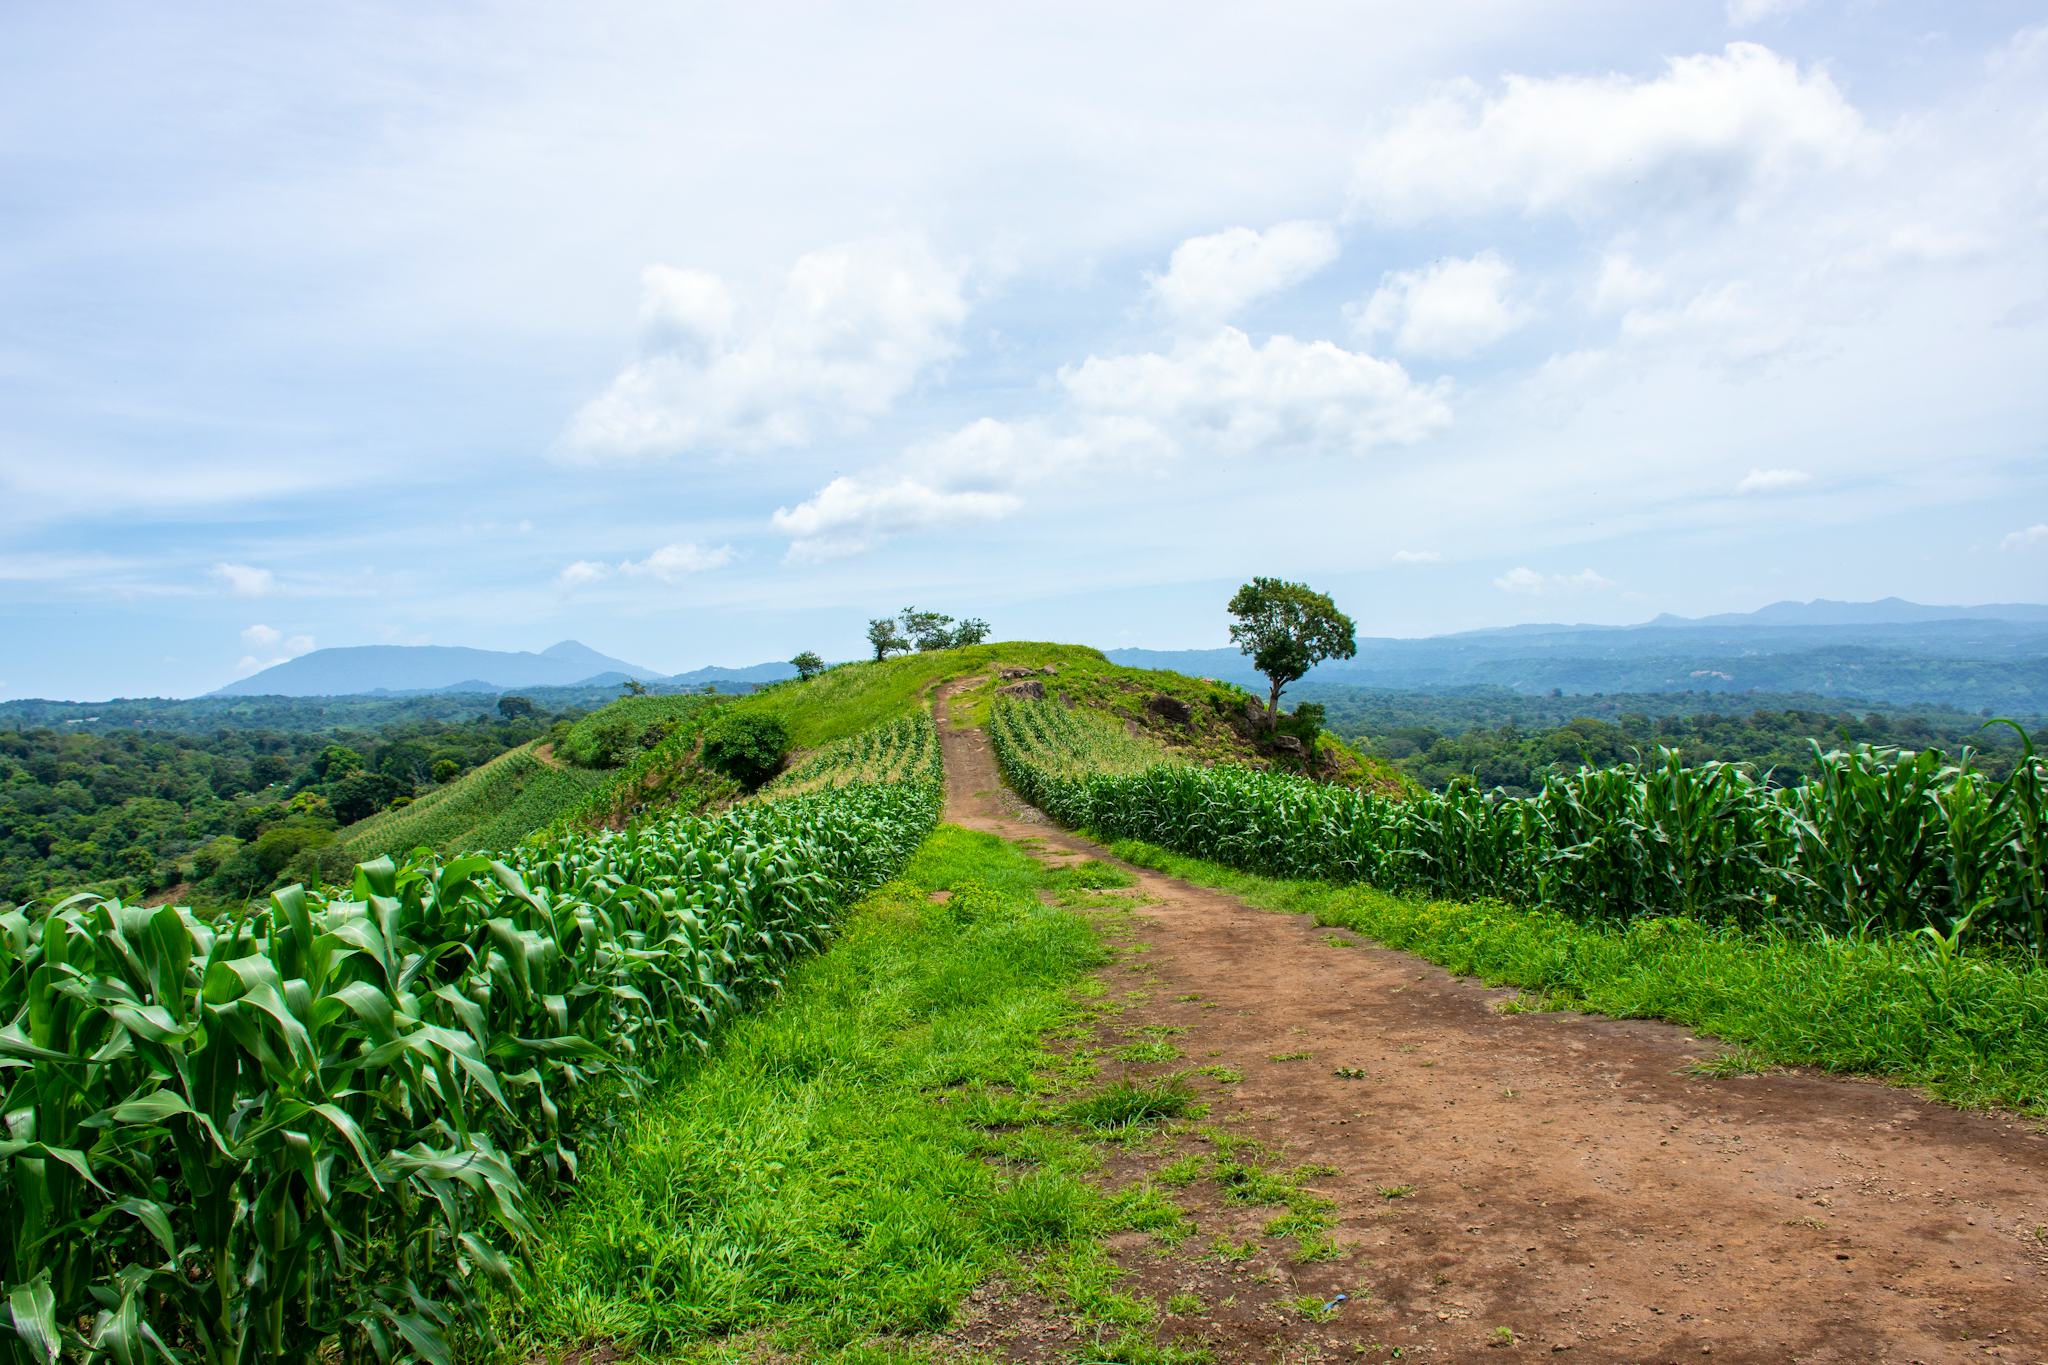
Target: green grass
(1972, 1031)
(845, 700)
(855, 1158)
(493, 806)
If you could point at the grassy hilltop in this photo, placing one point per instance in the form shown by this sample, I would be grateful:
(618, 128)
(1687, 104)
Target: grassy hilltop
(639, 755)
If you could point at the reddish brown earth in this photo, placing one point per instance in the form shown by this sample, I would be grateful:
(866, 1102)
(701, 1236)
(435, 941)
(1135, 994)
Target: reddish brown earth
(1571, 1181)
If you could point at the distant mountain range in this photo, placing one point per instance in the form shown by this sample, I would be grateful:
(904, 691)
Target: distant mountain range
(1985, 657)
(373, 670)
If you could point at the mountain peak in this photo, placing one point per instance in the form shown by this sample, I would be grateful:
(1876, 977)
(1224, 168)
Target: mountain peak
(355, 670)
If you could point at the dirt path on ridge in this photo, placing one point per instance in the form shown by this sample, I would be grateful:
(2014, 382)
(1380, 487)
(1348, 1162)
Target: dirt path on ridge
(1571, 1181)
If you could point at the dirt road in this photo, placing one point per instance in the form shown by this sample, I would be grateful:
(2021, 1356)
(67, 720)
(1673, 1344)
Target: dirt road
(1554, 1178)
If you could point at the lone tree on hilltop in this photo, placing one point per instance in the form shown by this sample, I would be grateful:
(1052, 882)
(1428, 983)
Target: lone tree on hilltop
(971, 631)
(1288, 628)
(633, 687)
(882, 635)
(807, 665)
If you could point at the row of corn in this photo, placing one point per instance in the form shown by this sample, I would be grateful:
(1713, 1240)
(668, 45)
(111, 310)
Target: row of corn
(314, 1130)
(1878, 840)
(906, 750)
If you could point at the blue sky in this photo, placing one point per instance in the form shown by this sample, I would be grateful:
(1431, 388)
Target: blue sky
(702, 337)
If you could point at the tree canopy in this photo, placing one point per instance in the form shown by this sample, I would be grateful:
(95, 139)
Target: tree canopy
(1288, 628)
(883, 637)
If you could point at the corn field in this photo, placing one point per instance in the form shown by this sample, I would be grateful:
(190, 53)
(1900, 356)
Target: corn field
(316, 1129)
(901, 751)
(1879, 840)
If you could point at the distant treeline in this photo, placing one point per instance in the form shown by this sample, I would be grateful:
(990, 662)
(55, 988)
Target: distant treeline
(306, 715)
(1494, 738)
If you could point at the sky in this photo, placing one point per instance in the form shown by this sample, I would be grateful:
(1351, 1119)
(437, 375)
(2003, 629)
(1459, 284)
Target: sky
(703, 334)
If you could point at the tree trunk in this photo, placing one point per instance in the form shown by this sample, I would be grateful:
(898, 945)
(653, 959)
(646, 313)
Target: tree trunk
(1273, 709)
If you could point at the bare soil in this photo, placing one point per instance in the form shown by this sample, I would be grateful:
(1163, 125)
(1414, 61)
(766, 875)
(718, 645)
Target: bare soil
(1557, 1178)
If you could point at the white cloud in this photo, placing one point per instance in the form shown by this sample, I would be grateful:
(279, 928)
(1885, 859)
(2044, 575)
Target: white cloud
(1706, 124)
(851, 515)
(1220, 393)
(851, 330)
(1745, 13)
(2034, 535)
(270, 647)
(1210, 278)
(1417, 557)
(1726, 324)
(582, 573)
(672, 563)
(975, 474)
(669, 564)
(1446, 310)
(1525, 581)
(244, 581)
(1623, 284)
(1773, 480)
(1226, 392)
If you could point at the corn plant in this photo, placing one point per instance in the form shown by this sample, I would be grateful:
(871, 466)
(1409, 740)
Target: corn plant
(906, 750)
(1880, 840)
(314, 1129)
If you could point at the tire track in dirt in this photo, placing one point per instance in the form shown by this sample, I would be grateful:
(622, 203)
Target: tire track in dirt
(1570, 1180)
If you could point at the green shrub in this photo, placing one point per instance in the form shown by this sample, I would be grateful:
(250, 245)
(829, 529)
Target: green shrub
(747, 747)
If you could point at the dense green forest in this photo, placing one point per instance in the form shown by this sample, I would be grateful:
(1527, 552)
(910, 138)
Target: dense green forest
(131, 812)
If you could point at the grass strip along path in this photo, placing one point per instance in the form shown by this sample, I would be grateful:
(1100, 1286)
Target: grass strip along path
(853, 1160)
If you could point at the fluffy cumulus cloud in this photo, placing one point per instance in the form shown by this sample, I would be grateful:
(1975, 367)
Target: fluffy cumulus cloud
(670, 564)
(1444, 311)
(1572, 143)
(1226, 392)
(850, 332)
(1773, 480)
(853, 514)
(1623, 284)
(244, 580)
(2032, 538)
(1524, 581)
(1218, 394)
(979, 473)
(1211, 278)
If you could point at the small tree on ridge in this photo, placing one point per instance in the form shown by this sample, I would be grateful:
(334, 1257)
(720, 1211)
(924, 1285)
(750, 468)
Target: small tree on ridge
(807, 665)
(1288, 628)
(882, 635)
